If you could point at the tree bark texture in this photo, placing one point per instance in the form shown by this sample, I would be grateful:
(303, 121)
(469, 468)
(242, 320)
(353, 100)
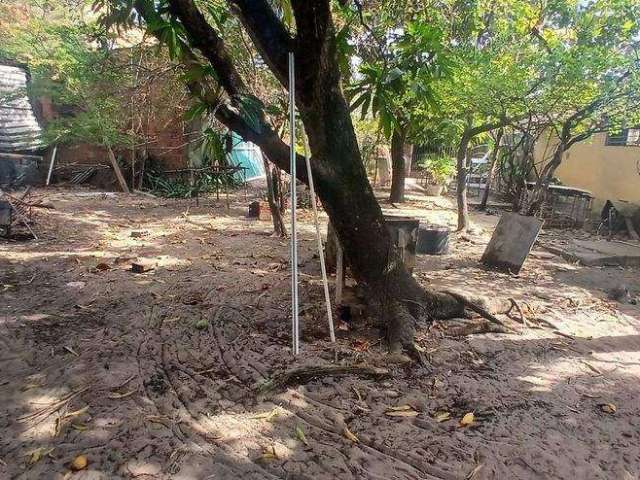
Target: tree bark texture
(462, 167)
(276, 214)
(398, 166)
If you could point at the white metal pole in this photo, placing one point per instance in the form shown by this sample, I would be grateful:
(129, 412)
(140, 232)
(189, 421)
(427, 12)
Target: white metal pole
(53, 160)
(323, 268)
(294, 234)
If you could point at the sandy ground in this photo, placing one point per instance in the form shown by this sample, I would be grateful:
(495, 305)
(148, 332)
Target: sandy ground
(153, 376)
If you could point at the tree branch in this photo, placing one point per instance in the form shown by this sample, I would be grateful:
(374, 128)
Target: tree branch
(264, 136)
(267, 32)
(203, 37)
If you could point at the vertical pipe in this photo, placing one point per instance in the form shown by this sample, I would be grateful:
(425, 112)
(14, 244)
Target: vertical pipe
(294, 233)
(53, 161)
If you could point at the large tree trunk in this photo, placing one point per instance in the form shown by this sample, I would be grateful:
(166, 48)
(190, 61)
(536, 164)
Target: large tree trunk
(344, 189)
(339, 173)
(462, 168)
(492, 170)
(398, 166)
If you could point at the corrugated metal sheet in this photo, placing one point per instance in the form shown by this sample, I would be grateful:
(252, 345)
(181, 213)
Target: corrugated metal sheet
(19, 128)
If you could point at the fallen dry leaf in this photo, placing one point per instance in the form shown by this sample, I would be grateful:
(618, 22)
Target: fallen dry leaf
(79, 463)
(467, 420)
(401, 411)
(38, 453)
(115, 396)
(442, 416)
(608, 408)
(301, 436)
(349, 435)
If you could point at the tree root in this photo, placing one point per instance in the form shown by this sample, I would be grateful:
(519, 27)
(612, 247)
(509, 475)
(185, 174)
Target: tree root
(302, 375)
(473, 328)
(515, 305)
(477, 309)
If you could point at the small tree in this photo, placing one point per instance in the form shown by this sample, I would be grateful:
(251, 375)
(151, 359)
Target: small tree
(395, 88)
(494, 75)
(592, 81)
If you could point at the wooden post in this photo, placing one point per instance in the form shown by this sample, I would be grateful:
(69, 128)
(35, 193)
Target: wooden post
(116, 169)
(323, 268)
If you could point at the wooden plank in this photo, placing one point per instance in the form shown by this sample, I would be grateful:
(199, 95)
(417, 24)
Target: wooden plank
(118, 172)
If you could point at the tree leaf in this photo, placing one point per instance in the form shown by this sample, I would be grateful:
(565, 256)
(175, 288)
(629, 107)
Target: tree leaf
(349, 435)
(467, 419)
(301, 436)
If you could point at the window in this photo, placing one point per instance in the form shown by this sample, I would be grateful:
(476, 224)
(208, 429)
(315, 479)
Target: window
(625, 137)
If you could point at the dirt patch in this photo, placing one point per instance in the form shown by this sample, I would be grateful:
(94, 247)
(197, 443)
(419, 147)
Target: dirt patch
(154, 375)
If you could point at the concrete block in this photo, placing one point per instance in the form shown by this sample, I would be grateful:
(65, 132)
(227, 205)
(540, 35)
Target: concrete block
(511, 242)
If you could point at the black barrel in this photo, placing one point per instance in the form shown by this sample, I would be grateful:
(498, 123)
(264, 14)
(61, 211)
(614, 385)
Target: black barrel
(433, 240)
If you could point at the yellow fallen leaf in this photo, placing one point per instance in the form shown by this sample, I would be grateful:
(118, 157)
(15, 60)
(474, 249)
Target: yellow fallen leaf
(399, 408)
(608, 408)
(269, 454)
(79, 463)
(80, 427)
(268, 416)
(401, 411)
(77, 412)
(300, 435)
(115, 396)
(442, 416)
(38, 453)
(348, 434)
(467, 420)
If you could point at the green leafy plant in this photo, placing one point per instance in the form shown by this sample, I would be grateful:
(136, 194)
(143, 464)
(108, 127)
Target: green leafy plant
(439, 168)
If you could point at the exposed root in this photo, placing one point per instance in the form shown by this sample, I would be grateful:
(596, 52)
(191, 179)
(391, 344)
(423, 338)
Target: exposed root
(477, 309)
(302, 375)
(515, 305)
(473, 327)
(401, 328)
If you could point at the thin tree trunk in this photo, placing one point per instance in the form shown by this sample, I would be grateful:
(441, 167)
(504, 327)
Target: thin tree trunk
(462, 170)
(492, 170)
(542, 185)
(408, 159)
(278, 190)
(398, 173)
(276, 215)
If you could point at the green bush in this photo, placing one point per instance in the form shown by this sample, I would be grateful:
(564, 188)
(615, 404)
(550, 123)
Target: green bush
(439, 168)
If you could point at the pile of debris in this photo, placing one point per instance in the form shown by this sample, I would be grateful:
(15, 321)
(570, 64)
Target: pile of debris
(18, 211)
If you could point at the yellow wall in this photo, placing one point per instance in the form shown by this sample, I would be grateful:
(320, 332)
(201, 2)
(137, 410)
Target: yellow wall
(609, 173)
